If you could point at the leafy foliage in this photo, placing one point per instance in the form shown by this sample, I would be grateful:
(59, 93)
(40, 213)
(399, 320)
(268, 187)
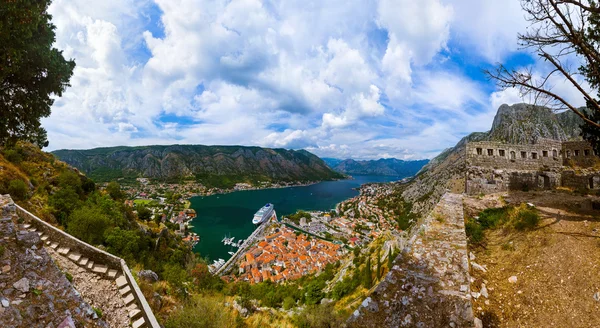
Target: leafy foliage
(88, 224)
(32, 70)
(18, 189)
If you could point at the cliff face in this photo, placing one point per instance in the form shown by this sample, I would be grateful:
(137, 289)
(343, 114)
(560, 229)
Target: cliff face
(238, 163)
(387, 166)
(524, 124)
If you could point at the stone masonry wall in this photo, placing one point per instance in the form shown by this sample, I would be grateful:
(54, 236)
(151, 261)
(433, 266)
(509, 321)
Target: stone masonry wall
(482, 180)
(429, 284)
(579, 153)
(498, 167)
(131, 292)
(544, 154)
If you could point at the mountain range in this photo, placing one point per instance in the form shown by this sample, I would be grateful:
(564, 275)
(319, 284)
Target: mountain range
(219, 166)
(383, 166)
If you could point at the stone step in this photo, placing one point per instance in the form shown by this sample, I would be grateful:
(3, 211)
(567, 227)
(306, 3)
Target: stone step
(139, 323)
(90, 265)
(83, 261)
(112, 274)
(74, 257)
(64, 251)
(124, 290)
(54, 246)
(44, 238)
(32, 230)
(134, 314)
(26, 226)
(128, 299)
(40, 233)
(48, 243)
(99, 268)
(132, 307)
(121, 281)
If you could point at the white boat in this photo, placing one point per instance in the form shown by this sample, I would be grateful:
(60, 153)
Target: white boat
(263, 214)
(230, 253)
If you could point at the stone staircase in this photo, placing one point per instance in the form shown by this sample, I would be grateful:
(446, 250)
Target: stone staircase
(135, 314)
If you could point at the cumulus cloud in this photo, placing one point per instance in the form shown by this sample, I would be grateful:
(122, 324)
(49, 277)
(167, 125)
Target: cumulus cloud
(340, 78)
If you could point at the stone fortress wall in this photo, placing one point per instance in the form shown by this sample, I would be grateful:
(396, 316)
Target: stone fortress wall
(547, 164)
(97, 261)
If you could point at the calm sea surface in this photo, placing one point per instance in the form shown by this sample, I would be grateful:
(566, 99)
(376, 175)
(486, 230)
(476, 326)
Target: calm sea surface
(231, 214)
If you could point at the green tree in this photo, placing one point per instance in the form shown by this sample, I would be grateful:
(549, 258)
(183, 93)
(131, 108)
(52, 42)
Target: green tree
(288, 303)
(18, 189)
(144, 213)
(390, 259)
(32, 71)
(114, 190)
(64, 201)
(70, 179)
(367, 275)
(378, 275)
(88, 224)
(124, 243)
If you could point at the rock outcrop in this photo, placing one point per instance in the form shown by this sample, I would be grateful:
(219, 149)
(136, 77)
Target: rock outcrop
(525, 124)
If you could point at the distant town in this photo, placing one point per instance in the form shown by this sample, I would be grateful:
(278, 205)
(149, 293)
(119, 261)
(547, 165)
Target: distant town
(287, 249)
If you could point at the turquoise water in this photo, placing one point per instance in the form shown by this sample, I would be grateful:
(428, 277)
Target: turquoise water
(231, 214)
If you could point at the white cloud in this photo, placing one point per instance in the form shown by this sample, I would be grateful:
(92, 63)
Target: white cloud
(340, 78)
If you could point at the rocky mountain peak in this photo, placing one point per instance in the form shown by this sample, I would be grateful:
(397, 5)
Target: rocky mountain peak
(525, 123)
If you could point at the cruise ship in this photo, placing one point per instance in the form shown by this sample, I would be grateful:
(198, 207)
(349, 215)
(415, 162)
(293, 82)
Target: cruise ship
(263, 214)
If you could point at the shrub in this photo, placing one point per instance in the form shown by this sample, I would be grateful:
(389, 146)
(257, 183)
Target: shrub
(13, 156)
(524, 217)
(69, 277)
(318, 316)
(288, 303)
(474, 231)
(18, 189)
(202, 312)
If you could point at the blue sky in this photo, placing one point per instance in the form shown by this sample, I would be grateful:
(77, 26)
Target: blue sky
(346, 79)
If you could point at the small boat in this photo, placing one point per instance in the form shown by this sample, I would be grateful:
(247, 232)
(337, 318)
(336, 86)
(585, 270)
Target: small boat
(231, 253)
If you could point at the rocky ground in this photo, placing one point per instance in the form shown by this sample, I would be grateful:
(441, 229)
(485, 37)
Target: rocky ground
(100, 293)
(547, 277)
(33, 291)
(429, 283)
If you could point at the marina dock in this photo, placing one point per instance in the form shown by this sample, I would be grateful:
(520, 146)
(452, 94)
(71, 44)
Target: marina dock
(225, 268)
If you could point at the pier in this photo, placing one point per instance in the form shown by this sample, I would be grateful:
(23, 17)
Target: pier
(242, 249)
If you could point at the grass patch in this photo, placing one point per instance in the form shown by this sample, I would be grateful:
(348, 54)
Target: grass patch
(36, 292)
(142, 201)
(522, 217)
(98, 311)
(69, 277)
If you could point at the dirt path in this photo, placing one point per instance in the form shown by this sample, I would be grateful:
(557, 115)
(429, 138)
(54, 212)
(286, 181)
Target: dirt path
(557, 265)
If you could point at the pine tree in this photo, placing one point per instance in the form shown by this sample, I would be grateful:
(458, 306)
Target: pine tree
(367, 275)
(378, 264)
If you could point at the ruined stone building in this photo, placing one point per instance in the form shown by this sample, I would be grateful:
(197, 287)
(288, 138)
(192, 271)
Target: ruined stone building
(547, 164)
